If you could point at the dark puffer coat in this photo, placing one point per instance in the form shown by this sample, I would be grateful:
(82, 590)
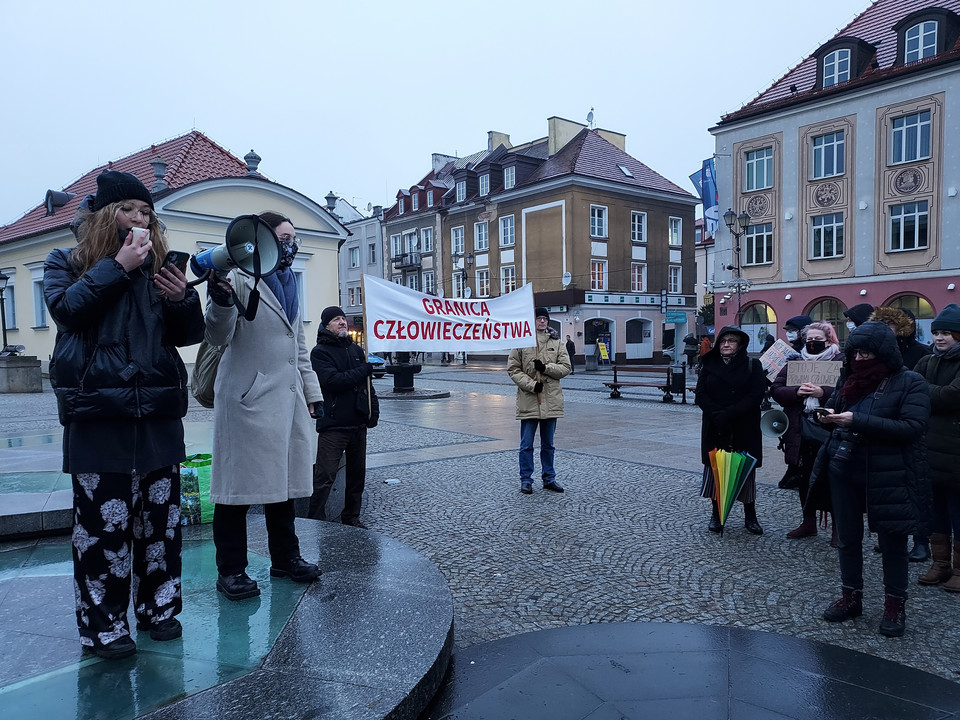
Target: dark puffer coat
(115, 355)
(729, 394)
(342, 370)
(792, 404)
(888, 452)
(942, 373)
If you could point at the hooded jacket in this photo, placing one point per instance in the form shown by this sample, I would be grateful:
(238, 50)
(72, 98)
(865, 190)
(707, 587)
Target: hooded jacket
(942, 373)
(341, 368)
(888, 454)
(729, 394)
(904, 326)
(553, 354)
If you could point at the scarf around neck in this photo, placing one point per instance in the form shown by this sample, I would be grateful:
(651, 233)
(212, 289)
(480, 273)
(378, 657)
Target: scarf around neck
(283, 284)
(865, 377)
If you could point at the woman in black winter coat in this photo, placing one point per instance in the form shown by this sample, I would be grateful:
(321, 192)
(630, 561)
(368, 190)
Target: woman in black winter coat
(122, 393)
(875, 463)
(942, 371)
(729, 391)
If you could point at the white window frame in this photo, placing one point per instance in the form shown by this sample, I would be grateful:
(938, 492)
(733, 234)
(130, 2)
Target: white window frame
(429, 198)
(426, 239)
(638, 227)
(354, 256)
(758, 169)
(675, 231)
(598, 274)
(827, 155)
(400, 206)
(397, 279)
(509, 177)
(485, 184)
(372, 253)
(481, 236)
(458, 283)
(923, 38)
(456, 240)
(758, 244)
(414, 202)
(910, 137)
(826, 236)
(413, 282)
(836, 67)
(483, 283)
(508, 229)
(461, 190)
(901, 217)
(638, 277)
(10, 299)
(598, 221)
(39, 301)
(396, 246)
(429, 286)
(508, 279)
(674, 280)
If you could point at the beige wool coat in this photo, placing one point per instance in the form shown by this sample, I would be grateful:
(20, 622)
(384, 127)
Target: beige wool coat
(553, 354)
(264, 442)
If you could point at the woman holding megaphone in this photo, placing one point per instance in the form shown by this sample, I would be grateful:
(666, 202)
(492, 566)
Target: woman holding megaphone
(263, 438)
(121, 391)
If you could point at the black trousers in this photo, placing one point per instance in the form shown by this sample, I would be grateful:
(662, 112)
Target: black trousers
(332, 445)
(230, 535)
(849, 497)
(126, 534)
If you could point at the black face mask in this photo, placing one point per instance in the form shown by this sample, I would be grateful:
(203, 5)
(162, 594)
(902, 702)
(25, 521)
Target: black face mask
(288, 251)
(815, 347)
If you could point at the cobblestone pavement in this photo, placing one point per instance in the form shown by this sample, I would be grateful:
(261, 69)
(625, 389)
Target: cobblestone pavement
(626, 542)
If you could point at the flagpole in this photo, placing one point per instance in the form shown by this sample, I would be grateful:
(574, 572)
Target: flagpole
(366, 354)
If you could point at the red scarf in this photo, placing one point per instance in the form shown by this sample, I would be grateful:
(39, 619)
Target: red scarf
(865, 377)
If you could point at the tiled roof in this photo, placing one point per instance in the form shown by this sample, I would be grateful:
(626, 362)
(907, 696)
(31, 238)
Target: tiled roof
(590, 155)
(874, 25)
(190, 158)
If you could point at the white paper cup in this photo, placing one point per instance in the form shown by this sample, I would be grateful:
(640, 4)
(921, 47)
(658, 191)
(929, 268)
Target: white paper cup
(140, 235)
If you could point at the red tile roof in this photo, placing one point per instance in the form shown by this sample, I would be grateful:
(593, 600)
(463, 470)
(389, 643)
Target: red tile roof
(591, 155)
(875, 25)
(190, 158)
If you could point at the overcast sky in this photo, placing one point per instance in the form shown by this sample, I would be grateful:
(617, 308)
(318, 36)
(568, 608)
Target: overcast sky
(354, 96)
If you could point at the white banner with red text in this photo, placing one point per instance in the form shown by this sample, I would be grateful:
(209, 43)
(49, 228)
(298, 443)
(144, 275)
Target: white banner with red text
(398, 319)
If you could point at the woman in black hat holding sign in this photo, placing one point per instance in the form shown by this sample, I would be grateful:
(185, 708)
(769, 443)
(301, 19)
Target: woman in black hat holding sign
(121, 392)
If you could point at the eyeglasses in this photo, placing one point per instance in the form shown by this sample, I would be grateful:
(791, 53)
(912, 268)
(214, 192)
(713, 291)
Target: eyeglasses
(293, 239)
(131, 212)
(729, 341)
(864, 355)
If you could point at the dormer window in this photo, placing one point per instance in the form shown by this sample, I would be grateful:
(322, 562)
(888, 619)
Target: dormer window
(400, 206)
(509, 177)
(461, 190)
(485, 184)
(921, 41)
(836, 67)
(841, 60)
(415, 202)
(429, 198)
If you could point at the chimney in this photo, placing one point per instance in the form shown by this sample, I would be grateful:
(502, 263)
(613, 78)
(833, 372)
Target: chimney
(496, 139)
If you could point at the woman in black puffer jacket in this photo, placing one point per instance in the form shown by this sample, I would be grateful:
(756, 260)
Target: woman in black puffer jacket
(876, 463)
(122, 391)
(942, 372)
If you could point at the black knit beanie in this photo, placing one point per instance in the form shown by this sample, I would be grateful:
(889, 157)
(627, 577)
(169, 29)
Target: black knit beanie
(541, 312)
(330, 313)
(947, 319)
(798, 322)
(114, 186)
(859, 314)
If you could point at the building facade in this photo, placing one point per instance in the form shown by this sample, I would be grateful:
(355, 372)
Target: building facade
(847, 172)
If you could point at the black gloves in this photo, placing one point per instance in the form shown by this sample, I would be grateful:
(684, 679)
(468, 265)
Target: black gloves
(539, 366)
(223, 298)
(538, 388)
(368, 369)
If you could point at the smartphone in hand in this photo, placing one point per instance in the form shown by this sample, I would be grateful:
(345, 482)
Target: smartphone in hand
(818, 413)
(178, 258)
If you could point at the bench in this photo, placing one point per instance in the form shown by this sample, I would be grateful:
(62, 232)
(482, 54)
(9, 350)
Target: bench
(662, 377)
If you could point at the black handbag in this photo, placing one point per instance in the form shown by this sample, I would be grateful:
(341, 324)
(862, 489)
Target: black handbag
(813, 431)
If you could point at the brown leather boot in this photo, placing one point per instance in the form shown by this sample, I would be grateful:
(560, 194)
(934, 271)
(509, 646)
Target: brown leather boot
(808, 528)
(953, 584)
(894, 620)
(940, 571)
(848, 606)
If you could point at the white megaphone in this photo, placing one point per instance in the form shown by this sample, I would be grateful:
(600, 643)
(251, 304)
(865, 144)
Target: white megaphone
(247, 237)
(774, 423)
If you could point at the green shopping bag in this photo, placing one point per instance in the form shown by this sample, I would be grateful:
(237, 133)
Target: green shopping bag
(195, 507)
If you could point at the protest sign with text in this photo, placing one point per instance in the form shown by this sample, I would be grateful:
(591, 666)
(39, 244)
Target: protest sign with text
(775, 358)
(818, 372)
(397, 318)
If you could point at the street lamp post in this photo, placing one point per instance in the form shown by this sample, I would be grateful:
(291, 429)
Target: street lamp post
(3, 309)
(464, 274)
(736, 222)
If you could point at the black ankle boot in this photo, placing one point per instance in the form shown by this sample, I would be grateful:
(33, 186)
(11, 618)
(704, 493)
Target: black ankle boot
(715, 525)
(848, 606)
(750, 519)
(894, 616)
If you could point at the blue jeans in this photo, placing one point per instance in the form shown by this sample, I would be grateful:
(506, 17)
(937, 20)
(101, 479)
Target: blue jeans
(528, 428)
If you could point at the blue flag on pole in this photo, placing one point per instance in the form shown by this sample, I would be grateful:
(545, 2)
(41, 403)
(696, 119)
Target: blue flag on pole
(711, 201)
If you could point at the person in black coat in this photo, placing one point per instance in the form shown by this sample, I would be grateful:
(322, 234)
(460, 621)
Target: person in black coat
(792, 329)
(350, 407)
(121, 392)
(875, 461)
(729, 391)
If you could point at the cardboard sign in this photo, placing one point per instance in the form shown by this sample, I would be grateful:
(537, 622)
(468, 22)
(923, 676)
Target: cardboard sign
(818, 372)
(775, 358)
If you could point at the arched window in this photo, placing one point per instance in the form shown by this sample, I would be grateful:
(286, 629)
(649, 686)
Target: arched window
(922, 310)
(831, 310)
(757, 321)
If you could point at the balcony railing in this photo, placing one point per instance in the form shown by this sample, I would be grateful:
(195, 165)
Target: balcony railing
(407, 260)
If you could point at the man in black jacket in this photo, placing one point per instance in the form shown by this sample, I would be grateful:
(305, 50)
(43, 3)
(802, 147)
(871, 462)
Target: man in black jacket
(350, 406)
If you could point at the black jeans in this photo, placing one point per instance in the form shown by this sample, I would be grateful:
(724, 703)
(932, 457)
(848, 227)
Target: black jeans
(849, 496)
(331, 446)
(230, 535)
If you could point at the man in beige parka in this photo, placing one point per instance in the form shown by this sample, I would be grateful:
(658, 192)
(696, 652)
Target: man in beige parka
(537, 372)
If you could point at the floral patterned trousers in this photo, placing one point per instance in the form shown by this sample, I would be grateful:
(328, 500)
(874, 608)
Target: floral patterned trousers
(126, 532)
